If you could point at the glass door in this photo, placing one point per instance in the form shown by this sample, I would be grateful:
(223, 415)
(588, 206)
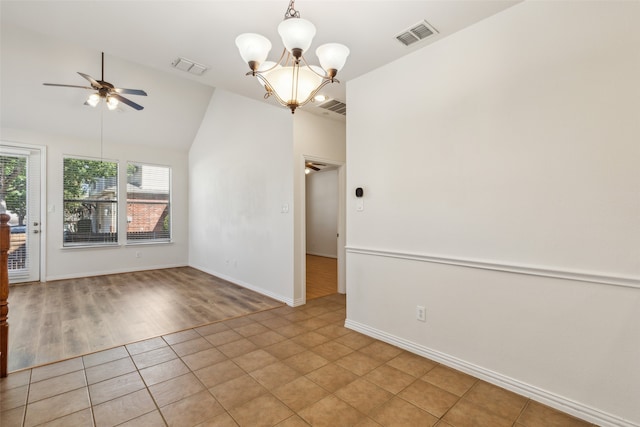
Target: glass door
(20, 194)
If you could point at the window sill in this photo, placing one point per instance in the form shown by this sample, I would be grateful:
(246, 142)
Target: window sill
(118, 245)
(95, 246)
(149, 242)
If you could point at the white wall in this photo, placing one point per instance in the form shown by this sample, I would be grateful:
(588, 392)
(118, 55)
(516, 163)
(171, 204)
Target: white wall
(324, 140)
(240, 179)
(81, 262)
(322, 213)
(503, 196)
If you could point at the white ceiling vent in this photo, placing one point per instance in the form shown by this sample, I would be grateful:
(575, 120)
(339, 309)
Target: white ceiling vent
(189, 66)
(335, 106)
(417, 32)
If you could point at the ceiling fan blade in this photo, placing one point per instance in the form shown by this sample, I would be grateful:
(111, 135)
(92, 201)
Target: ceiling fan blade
(127, 101)
(130, 91)
(79, 87)
(313, 167)
(93, 81)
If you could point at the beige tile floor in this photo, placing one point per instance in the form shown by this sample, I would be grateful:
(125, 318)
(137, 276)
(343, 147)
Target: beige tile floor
(281, 367)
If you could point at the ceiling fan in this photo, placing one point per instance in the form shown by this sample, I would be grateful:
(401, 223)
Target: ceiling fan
(106, 91)
(309, 166)
(315, 165)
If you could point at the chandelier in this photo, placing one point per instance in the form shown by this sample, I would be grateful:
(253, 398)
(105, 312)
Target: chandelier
(291, 80)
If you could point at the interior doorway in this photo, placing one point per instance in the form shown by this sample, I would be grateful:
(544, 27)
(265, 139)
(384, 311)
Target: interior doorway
(20, 183)
(323, 223)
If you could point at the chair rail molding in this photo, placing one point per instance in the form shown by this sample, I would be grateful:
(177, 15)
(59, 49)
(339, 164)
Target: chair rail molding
(581, 276)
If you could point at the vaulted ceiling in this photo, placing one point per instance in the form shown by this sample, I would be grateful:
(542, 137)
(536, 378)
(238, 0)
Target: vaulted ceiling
(50, 41)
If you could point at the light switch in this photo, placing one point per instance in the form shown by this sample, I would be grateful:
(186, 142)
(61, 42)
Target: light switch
(359, 205)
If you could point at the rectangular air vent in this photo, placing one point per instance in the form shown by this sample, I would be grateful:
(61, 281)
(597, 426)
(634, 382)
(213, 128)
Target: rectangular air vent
(335, 106)
(417, 32)
(189, 66)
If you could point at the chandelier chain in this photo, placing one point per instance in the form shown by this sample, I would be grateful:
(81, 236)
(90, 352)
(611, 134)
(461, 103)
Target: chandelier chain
(291, 11)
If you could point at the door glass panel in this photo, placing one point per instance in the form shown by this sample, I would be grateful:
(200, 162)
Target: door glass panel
(13, 194)
(20, 194)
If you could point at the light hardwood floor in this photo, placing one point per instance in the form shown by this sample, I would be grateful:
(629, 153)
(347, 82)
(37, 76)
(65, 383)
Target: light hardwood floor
(67, 318)
(322, 276)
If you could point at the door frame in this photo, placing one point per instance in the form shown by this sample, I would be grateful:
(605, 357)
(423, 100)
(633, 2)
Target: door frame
(342, 214)
(23, 148)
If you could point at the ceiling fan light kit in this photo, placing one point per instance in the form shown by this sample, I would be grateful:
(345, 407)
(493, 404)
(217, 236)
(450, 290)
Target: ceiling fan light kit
(106, 91)
(291, 80)
(94, 100)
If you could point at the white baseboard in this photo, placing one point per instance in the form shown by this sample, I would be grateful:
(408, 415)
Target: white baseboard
(114, 271)
(258, 289)
(558, 402)
(299, 301)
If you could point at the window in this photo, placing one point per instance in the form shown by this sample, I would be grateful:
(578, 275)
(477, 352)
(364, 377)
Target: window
(90, 202)
(148, 203)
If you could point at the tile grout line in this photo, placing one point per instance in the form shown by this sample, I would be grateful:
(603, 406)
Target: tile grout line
(457, 401)
(26, 403)
(524, 408)
(86, 381)
(420, 379)
(145, 383)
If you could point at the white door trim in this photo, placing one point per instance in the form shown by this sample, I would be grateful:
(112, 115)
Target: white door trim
(342, 214)
(38, 152)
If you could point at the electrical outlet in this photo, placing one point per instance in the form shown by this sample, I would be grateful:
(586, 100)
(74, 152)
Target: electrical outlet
(138, 254)
(421, 313)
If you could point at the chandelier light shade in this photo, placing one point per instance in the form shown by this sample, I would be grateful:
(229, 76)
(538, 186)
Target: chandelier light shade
(332, 56)
(297, 33)
(291, 80)
(254, 48)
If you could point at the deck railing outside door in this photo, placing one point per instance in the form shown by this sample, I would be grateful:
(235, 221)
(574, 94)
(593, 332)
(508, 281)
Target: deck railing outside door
(4, 291)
